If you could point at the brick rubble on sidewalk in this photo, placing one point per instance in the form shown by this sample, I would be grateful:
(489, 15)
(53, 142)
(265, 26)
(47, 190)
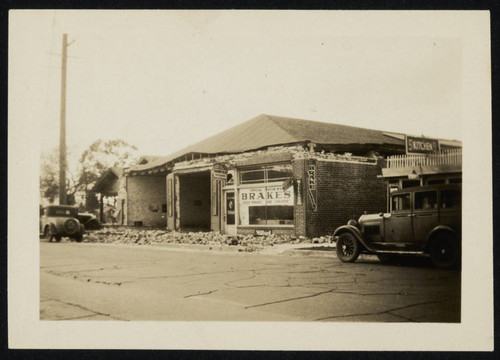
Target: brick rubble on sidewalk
(157, 236)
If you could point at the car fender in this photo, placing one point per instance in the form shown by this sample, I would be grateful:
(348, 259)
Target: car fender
(441, 228)
(354, 231)
(54, 229)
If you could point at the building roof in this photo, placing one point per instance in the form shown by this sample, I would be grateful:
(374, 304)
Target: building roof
(144, 159)
(268, 130)
(103, 182)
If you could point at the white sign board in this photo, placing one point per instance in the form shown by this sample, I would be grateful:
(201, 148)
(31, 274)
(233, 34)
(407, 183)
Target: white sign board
(270, 195)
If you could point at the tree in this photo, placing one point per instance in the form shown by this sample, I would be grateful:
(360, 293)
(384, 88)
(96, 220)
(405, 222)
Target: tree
(99, 157)
(83, 174)
(49, 177)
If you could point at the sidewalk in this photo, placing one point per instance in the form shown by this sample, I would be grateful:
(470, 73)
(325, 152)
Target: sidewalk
(269, 244)
(287, 249)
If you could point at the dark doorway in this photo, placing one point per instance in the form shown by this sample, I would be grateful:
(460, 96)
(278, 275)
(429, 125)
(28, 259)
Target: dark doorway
(194, 201)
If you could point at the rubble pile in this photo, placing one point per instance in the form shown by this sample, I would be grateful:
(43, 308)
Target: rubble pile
(247, 243)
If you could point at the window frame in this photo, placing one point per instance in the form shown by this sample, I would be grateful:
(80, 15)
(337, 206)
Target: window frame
(409, 194)
(265, 169)
(265, 186)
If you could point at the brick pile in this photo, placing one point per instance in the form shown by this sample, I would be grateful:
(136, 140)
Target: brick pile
(247, 243)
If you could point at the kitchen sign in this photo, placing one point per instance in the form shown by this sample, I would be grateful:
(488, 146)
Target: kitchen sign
(421, 145)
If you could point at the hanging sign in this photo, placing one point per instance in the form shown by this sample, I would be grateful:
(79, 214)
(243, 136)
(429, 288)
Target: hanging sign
(219, 171)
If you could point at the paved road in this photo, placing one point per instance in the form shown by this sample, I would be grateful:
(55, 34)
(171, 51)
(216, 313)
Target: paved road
(117, 282)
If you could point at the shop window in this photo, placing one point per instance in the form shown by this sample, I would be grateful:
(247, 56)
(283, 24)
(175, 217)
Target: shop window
(270, 215)
(435, 182)
(401, 202)
(266, 174)
(425, 200)
(410, 183)
(266, 205)
(450, 199)
(278, 174)
(252, 176)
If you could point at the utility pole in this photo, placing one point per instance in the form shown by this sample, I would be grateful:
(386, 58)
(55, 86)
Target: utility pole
(62, 136)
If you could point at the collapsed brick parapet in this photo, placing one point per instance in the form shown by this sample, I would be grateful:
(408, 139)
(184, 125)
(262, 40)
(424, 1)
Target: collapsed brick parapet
(157, 236)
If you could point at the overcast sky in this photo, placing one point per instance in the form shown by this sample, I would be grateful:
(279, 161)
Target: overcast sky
(162, 80)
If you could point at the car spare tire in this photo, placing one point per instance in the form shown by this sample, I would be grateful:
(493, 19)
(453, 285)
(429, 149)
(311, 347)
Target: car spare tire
(71, 226)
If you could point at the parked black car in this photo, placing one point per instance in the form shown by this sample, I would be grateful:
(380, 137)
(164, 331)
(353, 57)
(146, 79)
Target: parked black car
(89, 221)
(423, 220)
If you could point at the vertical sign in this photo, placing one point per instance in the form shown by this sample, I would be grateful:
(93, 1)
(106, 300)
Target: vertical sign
(299, 191)
(311, 177)
(170, 196)
(219, 174)
(215, 195)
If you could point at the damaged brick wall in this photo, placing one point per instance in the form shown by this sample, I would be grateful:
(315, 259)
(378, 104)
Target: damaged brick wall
(344, 191)
(146, 200)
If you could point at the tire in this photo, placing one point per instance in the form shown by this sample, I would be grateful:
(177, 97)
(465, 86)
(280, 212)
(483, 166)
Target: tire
(444, 251)
(71, 226)
(347, 248)
(79, 238)
(47, 235)
(58, 238)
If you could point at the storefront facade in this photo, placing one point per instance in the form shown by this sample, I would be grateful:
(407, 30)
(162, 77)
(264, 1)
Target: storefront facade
(273, 175)
(290, 193)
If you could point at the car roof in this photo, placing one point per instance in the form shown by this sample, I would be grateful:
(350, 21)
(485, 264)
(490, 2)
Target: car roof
(60, 207)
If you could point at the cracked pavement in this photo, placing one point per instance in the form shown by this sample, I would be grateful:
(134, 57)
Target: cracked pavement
(123, 283)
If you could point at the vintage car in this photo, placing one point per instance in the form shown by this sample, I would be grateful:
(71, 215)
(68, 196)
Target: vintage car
(423, 220)
(89, 221)
(57, 221)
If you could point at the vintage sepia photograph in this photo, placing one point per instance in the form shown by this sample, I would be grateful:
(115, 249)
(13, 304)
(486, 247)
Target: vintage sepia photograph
(227, 179)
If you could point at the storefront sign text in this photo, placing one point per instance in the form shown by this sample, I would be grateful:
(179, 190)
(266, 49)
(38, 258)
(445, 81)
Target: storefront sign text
(272, 195)
(418, 145)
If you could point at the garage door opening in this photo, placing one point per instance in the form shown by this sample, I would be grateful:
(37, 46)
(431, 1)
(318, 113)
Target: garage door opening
(194, 201)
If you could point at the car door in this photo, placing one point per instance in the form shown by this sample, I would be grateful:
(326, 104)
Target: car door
(425, 214)
(398, 226)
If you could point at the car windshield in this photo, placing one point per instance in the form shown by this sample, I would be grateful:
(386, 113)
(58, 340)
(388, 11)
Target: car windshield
(61, 212)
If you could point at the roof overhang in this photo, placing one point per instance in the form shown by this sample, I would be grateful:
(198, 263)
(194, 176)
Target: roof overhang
(421, 170)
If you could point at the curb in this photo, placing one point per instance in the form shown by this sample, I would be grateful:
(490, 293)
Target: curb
(306, 249)
(315, 253)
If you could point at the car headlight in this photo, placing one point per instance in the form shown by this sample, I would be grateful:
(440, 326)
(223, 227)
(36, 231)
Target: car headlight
(353, 223)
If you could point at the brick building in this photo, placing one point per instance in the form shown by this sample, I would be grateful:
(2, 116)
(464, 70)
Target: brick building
(269, 174)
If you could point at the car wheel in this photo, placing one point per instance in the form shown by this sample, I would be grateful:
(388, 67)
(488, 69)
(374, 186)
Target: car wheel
(347, 248)
(79, 238)
(58, 237)
(444, 251)
(47, 233)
